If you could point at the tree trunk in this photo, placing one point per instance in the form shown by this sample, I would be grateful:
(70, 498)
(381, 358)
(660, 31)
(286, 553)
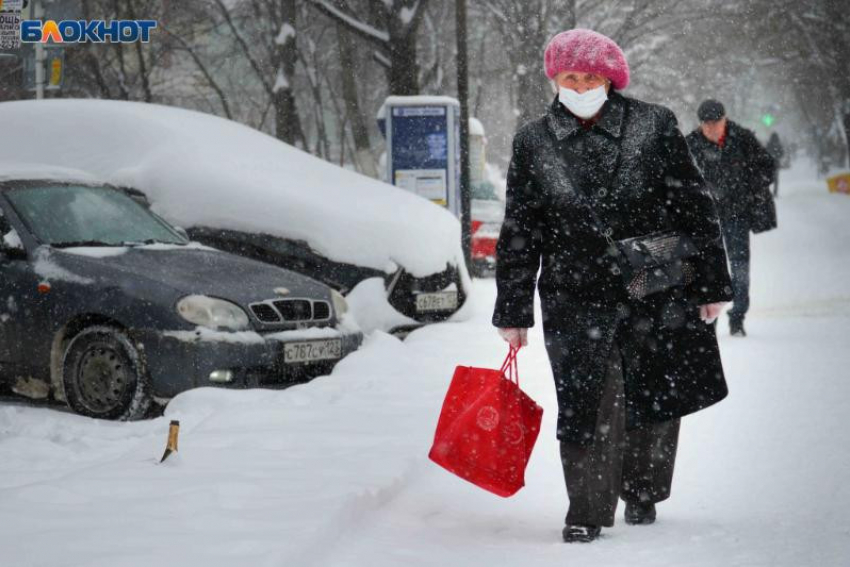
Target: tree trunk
(363, 158)
(533, 92)
(403, 73)
(287, 121)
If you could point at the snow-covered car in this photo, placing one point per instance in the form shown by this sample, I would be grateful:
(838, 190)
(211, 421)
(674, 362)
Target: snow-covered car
(395, 255)
(108, 307)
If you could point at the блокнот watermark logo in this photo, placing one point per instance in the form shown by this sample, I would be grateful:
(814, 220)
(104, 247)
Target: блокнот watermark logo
(86, 31)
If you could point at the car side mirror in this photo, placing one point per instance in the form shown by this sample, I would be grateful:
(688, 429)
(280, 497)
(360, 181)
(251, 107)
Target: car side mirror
(182, 232)
(11, 246)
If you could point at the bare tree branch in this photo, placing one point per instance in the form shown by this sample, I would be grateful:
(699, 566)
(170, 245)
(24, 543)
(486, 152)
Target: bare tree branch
(364, 30)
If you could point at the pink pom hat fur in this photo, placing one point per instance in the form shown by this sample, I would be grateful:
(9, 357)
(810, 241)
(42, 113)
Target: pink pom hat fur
(587, 51)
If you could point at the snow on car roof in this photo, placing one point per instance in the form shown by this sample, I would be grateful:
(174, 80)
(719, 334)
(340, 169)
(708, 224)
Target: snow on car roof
(16, 170)
(199, 169)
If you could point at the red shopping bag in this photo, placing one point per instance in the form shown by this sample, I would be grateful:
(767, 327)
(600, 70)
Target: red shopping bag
(487, 428)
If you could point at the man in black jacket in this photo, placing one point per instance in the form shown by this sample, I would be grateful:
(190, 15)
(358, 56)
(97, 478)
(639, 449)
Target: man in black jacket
(739, 171)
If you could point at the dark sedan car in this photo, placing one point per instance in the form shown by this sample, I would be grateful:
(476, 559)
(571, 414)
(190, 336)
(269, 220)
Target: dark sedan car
(108, 307)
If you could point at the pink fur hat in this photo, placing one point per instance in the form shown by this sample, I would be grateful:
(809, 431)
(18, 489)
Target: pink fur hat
(587, 51)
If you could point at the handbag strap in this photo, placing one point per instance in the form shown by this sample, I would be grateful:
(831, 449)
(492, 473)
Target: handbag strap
(603, 227)
(509, 367)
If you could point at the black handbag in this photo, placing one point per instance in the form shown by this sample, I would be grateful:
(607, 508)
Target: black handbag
(656, 262)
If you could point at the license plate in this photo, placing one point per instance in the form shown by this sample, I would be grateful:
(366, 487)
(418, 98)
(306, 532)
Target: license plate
(311, 351)
(442, 301)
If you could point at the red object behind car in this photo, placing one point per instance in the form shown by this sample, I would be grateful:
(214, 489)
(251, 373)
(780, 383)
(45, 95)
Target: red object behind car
(484, 244)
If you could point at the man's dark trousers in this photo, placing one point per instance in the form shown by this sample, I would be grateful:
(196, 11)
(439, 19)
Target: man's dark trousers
(736, 237)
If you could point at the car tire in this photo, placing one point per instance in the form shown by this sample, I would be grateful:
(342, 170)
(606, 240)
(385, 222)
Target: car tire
(105, 376)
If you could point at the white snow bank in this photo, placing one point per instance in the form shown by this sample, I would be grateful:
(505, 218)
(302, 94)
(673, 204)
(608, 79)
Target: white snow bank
(11, 168)
(368, 302)
(199, 169)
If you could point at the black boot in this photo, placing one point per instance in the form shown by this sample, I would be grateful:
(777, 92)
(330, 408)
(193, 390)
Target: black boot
(736, 327)
(577, 533)
(640, 513)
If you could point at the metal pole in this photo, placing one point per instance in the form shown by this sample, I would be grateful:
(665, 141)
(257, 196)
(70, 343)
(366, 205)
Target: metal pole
(38, 14)
(463, 98)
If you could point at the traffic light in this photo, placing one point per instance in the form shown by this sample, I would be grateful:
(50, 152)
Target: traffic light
(768, 119)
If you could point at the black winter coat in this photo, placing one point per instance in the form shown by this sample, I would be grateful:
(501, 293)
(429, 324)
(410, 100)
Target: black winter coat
(635, 167)
(739, 175)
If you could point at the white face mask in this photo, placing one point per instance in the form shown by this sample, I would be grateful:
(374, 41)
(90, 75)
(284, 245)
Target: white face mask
(584, 105)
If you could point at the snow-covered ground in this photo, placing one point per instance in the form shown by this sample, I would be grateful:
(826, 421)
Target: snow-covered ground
(335, 472)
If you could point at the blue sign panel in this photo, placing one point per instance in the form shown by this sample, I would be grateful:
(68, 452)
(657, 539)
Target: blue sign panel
(420, 138)
(420, 150)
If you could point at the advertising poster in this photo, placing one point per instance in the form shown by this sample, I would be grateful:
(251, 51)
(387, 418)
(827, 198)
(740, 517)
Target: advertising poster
(420, 151)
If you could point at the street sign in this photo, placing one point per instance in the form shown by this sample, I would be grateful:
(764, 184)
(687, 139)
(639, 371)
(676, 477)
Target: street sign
(10, 30)
(422, 147)
(11, 5)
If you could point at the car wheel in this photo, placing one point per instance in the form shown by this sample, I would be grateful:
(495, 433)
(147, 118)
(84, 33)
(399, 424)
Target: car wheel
(105, 376)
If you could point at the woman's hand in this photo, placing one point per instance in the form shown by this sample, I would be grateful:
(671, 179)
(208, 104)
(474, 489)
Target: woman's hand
(709, 313)
(516, 337)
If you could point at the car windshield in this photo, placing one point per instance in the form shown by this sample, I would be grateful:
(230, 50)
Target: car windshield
(79, 215)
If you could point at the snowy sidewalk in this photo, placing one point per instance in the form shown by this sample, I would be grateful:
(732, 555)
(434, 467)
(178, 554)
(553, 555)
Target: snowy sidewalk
(335, 473)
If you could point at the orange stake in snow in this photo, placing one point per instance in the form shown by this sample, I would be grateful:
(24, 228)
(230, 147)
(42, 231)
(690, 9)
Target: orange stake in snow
(171, 446)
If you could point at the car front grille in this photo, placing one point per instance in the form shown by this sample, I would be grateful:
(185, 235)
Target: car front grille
(291, 310)
(294, 309)
(265, 313)
(321, 310)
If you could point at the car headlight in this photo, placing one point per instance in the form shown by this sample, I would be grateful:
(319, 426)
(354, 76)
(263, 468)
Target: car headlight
(212, 313)
(340, 304)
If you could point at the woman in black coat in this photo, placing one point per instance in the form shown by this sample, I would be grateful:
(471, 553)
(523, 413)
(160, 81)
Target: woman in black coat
(625, 369)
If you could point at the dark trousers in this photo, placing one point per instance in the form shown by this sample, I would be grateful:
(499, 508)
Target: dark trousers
(635, 465)
(736, 236)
